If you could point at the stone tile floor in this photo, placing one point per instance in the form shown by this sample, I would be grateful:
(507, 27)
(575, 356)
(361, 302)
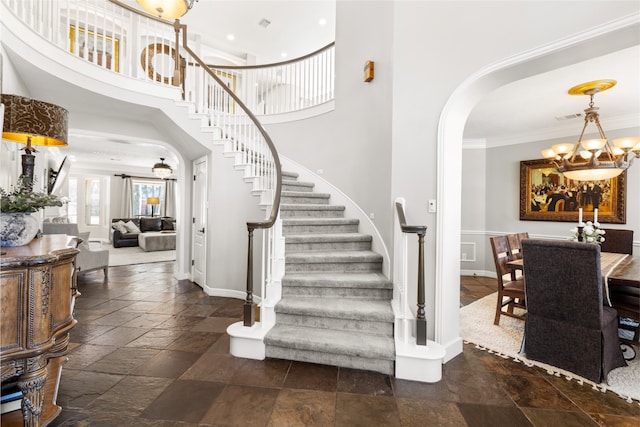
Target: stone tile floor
(149, 350)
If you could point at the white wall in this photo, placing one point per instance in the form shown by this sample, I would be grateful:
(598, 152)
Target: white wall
(352, 145)
(474, 208)
(231, 205)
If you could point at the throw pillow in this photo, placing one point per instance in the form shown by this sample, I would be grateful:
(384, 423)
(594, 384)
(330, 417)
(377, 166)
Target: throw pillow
(150, 224)
(131, 227)
(119, 226)
(85, 240)
(168, 224)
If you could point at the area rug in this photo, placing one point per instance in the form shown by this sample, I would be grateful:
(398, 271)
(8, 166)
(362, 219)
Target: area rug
(135, 255)
(476, 327)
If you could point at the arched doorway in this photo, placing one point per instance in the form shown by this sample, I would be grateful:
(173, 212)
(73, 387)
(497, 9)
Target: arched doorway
(617, 35)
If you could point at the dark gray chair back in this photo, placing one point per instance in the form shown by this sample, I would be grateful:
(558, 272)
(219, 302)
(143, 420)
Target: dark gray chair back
(617, 241)
(567, 325)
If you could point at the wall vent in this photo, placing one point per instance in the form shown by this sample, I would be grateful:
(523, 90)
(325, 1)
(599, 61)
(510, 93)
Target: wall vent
(569, 117)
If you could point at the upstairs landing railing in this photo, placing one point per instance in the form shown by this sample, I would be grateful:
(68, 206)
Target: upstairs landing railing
(420, 230)
(110, 34)
(117, 37)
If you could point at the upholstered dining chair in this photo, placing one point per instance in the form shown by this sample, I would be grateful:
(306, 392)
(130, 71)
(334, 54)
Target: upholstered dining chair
(510, 289)
(617, 241)
(567, 324)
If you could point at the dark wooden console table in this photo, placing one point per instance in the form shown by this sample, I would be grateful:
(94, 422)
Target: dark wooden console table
(38, 290)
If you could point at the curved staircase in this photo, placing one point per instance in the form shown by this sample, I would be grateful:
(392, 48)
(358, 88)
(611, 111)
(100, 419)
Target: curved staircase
(336, 303)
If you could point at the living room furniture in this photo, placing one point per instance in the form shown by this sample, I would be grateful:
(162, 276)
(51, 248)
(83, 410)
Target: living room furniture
(38, 290)
(567, 324)
(157, 241)
(88, 259)
(510, 289)
(128, 239)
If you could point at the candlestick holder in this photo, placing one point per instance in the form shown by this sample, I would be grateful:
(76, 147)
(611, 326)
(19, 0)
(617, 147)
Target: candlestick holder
(580, 236)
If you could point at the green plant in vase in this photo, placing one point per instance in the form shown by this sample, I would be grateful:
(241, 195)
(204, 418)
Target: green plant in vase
(17, 226)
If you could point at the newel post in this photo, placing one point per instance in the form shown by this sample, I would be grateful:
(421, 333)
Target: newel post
(421, 320)
(249, 312)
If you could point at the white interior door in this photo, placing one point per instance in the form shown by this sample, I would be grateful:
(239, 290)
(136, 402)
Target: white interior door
(199, 222)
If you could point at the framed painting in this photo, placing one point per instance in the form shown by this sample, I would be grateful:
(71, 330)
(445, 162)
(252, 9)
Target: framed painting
(105, 49)
(547, 195)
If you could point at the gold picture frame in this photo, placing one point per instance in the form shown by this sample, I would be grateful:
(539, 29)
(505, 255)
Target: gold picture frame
(106, 48)
(222, 103)
(547, 195)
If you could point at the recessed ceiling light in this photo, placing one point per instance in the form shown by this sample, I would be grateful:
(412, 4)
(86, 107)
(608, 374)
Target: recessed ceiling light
(230, 37)
(322, 22)
(283, 54)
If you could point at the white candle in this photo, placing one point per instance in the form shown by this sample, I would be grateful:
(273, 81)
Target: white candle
(579, 216)
(595, 215)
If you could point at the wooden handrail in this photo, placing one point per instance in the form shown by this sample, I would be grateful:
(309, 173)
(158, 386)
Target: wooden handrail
(420, 230)
(249, 309)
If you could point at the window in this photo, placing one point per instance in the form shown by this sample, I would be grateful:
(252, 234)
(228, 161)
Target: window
(142, 190)
(72, 206)
(92, 201)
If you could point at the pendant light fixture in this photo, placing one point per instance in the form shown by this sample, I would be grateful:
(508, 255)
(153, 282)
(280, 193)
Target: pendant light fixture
(162, 170)
(167, 9)
(593, 159)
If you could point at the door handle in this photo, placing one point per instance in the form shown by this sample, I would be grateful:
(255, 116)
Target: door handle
(201, 230)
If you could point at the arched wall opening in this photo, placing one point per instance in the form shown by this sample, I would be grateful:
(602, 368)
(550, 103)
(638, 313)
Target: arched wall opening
(620, 34)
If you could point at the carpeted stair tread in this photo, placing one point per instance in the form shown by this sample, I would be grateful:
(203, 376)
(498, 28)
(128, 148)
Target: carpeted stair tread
(332, 257)
(305, 194)
(331, 238)
(338, 280)
(309, 207)
(289, 175)
(331, 341)
(337, 308)
(306, 186)
(319, 221)
(383, 366)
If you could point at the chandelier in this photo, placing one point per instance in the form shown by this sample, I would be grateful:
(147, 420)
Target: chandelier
(168, 9)
(162, 170)
(593, 159)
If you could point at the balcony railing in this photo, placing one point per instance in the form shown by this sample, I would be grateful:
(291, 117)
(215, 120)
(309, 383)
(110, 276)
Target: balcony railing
(117, 37)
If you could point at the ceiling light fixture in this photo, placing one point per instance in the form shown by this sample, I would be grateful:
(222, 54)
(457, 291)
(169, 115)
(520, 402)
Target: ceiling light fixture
(593, 159)
(32, 122)
(162, 170)
(167, 9)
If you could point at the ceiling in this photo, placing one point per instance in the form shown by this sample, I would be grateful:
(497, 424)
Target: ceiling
(519, 112)
(529, 109)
